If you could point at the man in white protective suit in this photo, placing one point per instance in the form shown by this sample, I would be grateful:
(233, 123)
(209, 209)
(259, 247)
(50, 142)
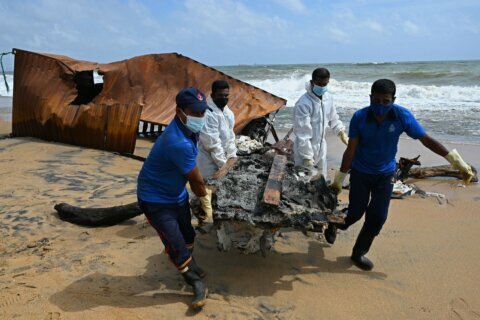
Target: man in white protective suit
(313, 112)
(217, 138)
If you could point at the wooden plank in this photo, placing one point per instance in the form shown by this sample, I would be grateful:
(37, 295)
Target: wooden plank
(273, 189)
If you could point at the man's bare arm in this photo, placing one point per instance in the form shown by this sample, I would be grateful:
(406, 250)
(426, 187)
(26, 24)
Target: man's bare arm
(348, 155)
(197, 184)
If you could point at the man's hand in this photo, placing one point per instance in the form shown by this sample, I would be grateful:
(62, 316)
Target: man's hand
(307, 162)
(338, 182)
(457, 162)
(343, 136)
(206, 205)
(220, 173)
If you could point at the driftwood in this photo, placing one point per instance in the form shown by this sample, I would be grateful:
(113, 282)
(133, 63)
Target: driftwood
(439, 171)
(404, 166)
(97, 217)
(404, 170)
(273, 189)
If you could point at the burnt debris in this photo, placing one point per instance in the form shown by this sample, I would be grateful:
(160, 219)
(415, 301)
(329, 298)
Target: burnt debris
(304, 203)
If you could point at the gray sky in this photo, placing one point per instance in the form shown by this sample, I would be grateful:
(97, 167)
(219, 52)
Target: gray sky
(231, 32)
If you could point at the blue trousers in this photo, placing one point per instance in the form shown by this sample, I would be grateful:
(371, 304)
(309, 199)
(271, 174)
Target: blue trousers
(369, 194)
(173, 223)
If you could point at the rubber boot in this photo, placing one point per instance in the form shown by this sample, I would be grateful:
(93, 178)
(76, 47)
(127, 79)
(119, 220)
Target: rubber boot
(331, 233)
(361, 247)
(195, 266)
(199, 289)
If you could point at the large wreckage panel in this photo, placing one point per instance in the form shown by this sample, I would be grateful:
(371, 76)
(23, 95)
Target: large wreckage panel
(44, 89)
(45, 95)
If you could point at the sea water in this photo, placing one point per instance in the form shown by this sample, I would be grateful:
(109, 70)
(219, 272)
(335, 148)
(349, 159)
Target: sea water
(443, 95)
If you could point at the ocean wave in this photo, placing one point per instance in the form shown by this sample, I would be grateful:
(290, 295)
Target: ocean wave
(348, 94)
(373, 63)
(356, 94)
(439, 93)
(3, 88)
(426, 75)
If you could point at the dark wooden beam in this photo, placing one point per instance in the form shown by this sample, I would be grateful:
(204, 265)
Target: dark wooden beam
(273, 188)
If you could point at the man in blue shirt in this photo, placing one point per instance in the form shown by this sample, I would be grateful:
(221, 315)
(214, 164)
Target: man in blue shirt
(374, 133)
(162, 192)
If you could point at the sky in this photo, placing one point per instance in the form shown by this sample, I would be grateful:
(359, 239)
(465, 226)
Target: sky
(229, 32)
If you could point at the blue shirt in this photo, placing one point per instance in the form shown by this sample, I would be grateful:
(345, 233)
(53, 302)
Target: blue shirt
(377, 146)
(162, 178)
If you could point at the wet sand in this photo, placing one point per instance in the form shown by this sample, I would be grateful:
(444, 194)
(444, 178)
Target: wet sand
(426, 258)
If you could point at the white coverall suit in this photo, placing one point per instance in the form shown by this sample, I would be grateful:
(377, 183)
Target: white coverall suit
(311, 117)
(217, 140)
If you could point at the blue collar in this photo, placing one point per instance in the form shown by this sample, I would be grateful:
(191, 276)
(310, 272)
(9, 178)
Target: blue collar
(187, 132)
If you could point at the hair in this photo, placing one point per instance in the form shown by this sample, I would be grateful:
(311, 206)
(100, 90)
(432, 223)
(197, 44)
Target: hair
(384, 86)
(320, 73)
(219, 85)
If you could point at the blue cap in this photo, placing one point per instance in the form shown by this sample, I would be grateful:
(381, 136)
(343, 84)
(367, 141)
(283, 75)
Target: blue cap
(192, 98)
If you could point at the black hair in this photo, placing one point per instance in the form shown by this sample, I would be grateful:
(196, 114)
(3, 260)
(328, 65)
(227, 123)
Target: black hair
(219, 85)
(320, 73)
(384, 86)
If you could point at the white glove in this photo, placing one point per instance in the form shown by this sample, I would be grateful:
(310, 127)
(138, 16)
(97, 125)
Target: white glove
(457, 162)
(338, 182)
(308, 162)
(206, 205)
(343, 136)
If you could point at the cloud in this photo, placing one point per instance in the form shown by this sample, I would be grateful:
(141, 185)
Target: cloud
(374, 26)
(411, 28)
(246, 31)
(338, 35)
(230, 22)
(466, 24)
(295, 6)
(97, 30)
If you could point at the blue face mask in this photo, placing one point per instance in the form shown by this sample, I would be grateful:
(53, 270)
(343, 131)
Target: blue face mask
(380, 109)
(195, 124)
(319, 91)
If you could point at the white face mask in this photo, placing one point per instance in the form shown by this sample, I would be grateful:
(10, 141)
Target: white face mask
(319, 91)
(194, 124)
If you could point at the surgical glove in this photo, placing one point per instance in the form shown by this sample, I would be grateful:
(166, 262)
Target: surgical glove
(343, 136)
(338, 182)
(206, 205)
(307, 162)
(457, 162)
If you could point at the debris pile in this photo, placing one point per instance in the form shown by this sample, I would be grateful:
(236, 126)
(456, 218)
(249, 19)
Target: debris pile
(245, 221)
(246, 146)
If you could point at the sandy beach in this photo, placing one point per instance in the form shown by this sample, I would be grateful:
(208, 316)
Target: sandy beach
(426, 258)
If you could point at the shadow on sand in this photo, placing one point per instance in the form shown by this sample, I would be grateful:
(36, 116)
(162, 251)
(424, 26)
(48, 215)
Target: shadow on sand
(229, 274)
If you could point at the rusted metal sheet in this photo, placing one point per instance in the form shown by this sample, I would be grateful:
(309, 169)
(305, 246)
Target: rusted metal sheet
(44, 89)
(273, 189)
(46, 95)
(122, 121)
